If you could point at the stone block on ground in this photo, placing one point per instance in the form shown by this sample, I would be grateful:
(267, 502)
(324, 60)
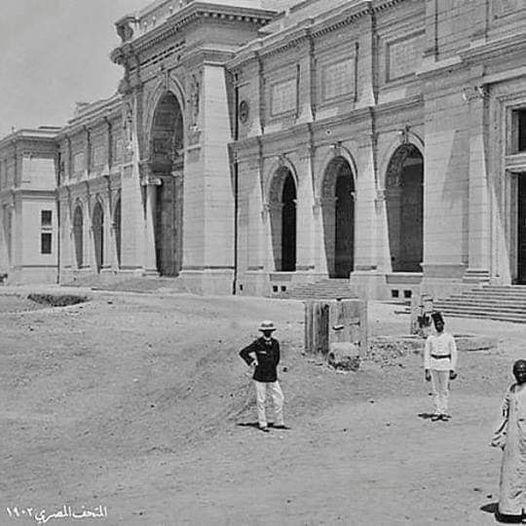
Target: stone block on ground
(332, 321)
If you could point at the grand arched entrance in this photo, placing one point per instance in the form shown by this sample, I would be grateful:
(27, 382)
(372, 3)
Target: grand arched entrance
(338, 218)
(78, 236)
(283, 220)
(98, 235)
(404, 194)
(166, 164)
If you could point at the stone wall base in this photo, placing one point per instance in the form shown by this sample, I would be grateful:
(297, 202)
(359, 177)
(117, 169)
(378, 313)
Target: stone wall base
(21, 276)
(370, 285)
(254, 283)
(214, 282)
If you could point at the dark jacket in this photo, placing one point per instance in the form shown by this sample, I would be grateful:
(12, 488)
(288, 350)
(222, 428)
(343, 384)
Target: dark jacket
(267, 356)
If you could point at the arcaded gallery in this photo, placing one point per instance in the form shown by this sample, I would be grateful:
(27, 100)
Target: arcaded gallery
(253, 146)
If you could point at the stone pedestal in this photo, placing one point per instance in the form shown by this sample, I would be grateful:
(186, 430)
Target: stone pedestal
(335, 321)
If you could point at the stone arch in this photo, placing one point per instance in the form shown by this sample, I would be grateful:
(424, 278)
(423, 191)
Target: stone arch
(404, 199)
(282, 197)
(174, 87)
(278, 165)
(97, 223)
(117, 227)
(337, 198)
(78, 234)
(410, 138)
(336, 151)
(166, 158)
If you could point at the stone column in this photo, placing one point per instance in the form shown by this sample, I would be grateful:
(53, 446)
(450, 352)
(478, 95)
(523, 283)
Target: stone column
(4, 260)
(208, 234)
(305, 76)
(69, 238)
(364, 211)
(328, 232)
(87, 151)
(394, 222)
(365, 278)
(114, 257)
(320, 256)
(382, 246)
(109, 153)
(479, 199)
(274, 227)
(304, 215)
(150, 184)
(108, 244)
(63, 232)
(179, 191)
(90, 260)
(365, 65)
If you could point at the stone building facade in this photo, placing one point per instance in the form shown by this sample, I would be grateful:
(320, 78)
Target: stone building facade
(255, 145)
(395, 132)
(90, 157)
(28, 214)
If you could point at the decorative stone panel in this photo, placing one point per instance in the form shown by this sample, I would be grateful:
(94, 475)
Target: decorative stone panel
(78, 163)
(404, 56)
(337, 79)
(117, 146)
(506, 7)
(283, 97)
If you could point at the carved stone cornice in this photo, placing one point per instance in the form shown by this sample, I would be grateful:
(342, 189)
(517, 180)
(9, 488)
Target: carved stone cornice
(513, 43)
(93, 115)
(195, 11)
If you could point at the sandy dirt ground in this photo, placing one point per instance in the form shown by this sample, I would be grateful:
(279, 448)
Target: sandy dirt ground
(140, 403)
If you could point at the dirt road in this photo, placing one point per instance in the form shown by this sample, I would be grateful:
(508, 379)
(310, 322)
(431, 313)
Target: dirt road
(140, 403)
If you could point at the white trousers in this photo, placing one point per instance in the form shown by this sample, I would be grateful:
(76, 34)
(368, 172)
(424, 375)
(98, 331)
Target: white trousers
(440, 383)
(277, 400)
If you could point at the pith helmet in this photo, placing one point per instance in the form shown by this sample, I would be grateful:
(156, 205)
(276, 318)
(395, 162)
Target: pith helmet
(267, 325)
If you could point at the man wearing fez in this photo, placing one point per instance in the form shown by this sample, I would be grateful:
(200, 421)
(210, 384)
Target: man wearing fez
(263, 355)
(440, 362)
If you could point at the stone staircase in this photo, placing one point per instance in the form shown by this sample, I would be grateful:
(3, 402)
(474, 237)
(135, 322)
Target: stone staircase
(319, 290)
(502, 303)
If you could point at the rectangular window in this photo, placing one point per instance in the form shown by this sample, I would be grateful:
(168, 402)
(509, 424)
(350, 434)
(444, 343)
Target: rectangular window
(45, 242)
(521, 130)
(46, 217)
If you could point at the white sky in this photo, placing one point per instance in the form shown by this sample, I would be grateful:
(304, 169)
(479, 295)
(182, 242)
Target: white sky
(54, 53)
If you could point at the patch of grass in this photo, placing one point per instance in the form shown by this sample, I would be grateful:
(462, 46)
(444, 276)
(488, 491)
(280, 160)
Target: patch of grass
(55, 300)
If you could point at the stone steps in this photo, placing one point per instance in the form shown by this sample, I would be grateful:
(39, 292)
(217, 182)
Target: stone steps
(502, 303)
(320, 290)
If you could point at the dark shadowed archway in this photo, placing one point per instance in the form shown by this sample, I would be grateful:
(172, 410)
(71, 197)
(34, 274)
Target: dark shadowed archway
(78, 235)
(283, 220)
(98, 235)
(338, 217)
(166, 160)
(117, 229)
(404, 194)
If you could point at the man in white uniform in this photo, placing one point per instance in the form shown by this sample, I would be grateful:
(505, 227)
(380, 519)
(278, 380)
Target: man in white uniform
(440, 362)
